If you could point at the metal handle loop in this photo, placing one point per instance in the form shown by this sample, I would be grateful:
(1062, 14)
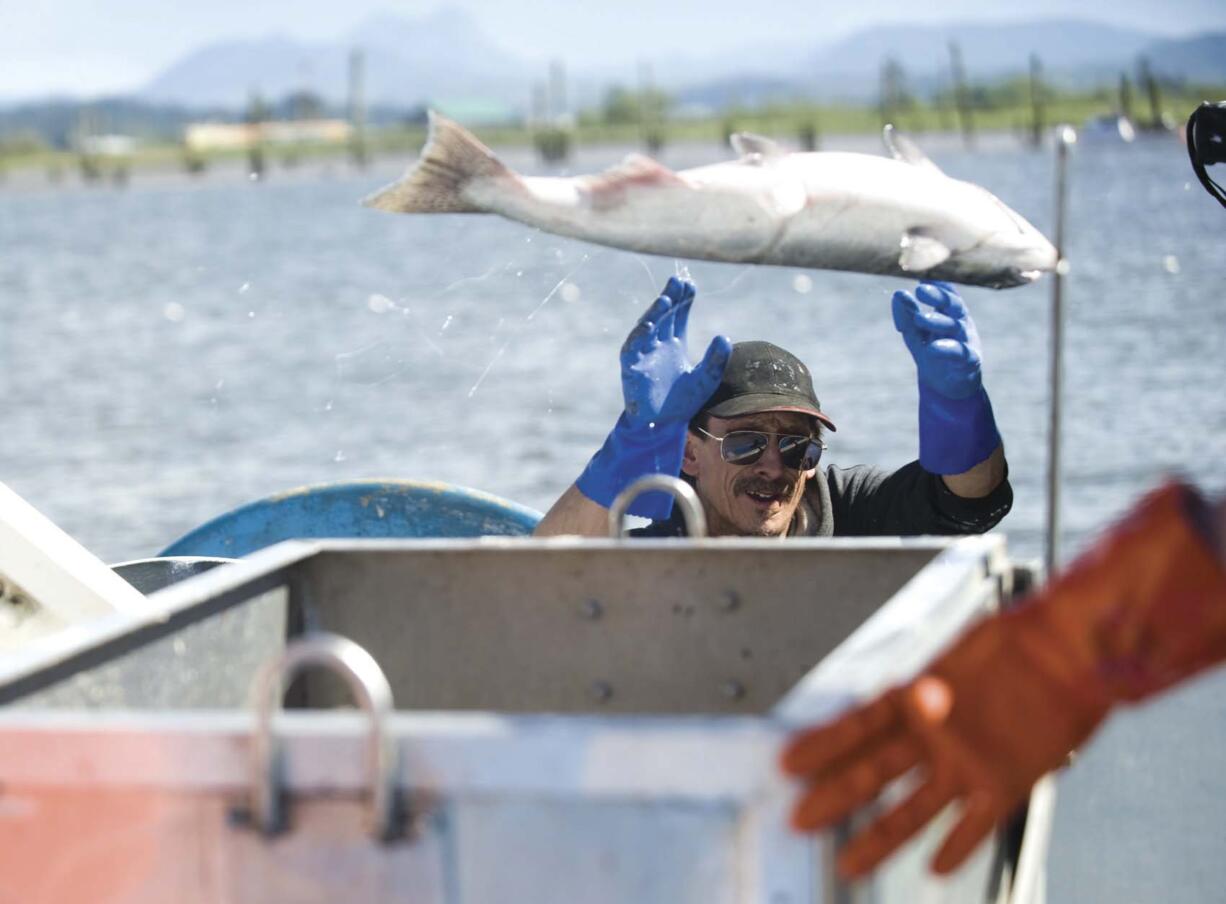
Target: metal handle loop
(370, 691)
(682, 492)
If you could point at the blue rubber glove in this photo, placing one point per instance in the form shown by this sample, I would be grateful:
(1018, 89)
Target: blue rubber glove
(956, 427)
(662, 393)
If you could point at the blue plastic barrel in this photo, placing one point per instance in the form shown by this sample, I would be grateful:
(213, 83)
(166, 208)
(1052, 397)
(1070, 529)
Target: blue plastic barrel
(382, 508)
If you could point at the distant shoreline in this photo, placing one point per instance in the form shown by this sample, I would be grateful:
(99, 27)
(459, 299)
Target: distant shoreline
(687, 145)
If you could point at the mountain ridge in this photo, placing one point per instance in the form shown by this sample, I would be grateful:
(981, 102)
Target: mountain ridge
(447, 55)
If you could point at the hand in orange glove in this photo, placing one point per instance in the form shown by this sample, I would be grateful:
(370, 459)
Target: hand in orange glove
(1143, 609)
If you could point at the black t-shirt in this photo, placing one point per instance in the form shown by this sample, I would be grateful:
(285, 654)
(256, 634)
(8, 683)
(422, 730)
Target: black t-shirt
(863, 501)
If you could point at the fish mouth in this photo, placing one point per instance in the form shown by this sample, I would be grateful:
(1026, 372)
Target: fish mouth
(1014, 277)
(1021, 266)
(1031, 267)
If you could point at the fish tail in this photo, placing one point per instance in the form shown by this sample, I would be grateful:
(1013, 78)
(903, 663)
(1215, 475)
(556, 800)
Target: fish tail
(451, 160)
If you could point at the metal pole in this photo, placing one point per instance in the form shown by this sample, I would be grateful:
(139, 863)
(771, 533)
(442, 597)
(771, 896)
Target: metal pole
(1066, 137)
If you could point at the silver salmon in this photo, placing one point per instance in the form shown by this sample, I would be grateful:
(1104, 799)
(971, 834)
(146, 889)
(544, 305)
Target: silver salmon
(897, 215)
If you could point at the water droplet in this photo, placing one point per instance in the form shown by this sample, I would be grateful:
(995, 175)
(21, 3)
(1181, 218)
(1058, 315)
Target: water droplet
(380, 304)
(244, 288)
(1063, 267)
(446, 323)
(802, 283)
(651, 425)
(570, 293)
(251, 315)
(174, 312)
(519, 272)
(340, 456)
(328, 405)
(1171, 264)
(220, 383)
(253, 176)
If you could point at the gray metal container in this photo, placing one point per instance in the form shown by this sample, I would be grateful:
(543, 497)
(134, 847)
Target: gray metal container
(575, 720)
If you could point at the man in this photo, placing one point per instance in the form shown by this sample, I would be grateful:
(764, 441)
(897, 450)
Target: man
(744, 427)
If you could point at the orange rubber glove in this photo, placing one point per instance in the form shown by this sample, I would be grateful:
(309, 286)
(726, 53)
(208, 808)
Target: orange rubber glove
(1141, 610)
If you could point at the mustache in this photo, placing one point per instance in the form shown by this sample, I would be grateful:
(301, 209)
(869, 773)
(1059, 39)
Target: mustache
(764, 486)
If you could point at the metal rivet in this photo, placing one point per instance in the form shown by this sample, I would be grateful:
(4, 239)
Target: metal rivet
(729, 600)
(592, 609)
(600, 691)
(732, 689)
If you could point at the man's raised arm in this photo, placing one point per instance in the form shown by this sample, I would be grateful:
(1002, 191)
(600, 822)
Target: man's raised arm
(574, 514)
(662, 392)
(958, 438)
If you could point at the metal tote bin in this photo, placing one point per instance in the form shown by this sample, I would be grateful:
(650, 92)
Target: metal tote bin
(574, 720)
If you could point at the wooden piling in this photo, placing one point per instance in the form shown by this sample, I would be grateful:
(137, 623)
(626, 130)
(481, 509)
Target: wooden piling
(808, 135)
(1157, 120)
(962, 97)
(257, 115)
(1038, 102)
(358, 151)
(1126, 97)
(552, 135)
(888, 105)
(651, 113)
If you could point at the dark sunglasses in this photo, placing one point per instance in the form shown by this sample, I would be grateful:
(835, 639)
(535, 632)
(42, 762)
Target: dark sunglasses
(744, 447)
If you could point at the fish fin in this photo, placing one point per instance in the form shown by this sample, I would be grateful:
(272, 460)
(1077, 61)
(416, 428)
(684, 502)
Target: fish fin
(747, 144)
(921, 252)
(636, 171)
(905, 150)
(638, 168)
(451, 158)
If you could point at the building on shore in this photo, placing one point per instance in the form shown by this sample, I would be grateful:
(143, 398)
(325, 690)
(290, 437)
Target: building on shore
(221, 136)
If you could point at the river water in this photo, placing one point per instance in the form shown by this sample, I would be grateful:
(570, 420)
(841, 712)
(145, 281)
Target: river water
(176, 348)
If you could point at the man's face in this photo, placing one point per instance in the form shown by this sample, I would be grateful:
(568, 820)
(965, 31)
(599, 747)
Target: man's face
(755, 500)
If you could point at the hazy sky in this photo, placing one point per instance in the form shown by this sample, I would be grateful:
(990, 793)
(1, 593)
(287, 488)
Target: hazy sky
(105, 46)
